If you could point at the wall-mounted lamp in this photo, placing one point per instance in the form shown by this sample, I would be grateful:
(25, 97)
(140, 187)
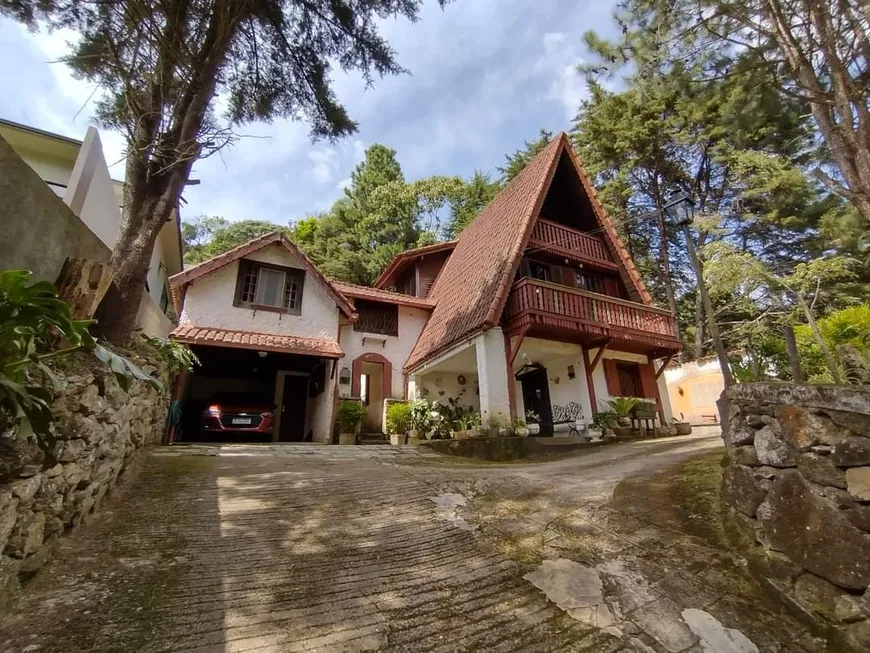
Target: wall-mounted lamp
(262, 354)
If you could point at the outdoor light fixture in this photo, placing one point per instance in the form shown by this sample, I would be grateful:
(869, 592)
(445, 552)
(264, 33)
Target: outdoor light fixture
(262, 354)
(679, 208)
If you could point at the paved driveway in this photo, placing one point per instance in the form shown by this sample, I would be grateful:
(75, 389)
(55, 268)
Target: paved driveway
(308, 548)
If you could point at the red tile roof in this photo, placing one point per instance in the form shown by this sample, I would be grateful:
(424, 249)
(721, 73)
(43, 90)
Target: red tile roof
(376, 294)
(179, 282)
(194, 335)
(471, 290)
(404, 259)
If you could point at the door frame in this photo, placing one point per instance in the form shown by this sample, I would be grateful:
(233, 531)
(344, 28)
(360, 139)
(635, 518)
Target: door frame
(538, 374)
(279, 401)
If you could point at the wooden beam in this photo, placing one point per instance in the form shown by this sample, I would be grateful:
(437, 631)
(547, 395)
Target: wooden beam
(514, 347)
(509, 357)
(589, 368)
(665, 363)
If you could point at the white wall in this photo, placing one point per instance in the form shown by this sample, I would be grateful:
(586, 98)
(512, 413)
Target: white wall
(600, 381)
(209, 302)
(492, 374)
(556, 357)
(439, 387)
(396, 349)
(91, 191)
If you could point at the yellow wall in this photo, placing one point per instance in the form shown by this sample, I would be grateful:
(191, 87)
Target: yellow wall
(693, 392)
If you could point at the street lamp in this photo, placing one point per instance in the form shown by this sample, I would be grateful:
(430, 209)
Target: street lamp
(680, 211)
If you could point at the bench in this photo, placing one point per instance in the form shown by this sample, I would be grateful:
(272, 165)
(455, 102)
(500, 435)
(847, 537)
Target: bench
(567, 414)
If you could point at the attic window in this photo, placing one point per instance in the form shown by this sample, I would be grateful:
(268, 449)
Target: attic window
(269, 287)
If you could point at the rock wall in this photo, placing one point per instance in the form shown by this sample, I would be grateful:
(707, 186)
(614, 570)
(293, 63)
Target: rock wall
(99, 428)
(798, 488)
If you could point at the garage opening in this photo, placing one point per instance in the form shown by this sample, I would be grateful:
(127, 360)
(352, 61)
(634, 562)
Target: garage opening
(245, 396)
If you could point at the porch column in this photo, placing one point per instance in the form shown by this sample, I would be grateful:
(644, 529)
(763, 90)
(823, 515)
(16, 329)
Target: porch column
(492, 373)
(413, 387)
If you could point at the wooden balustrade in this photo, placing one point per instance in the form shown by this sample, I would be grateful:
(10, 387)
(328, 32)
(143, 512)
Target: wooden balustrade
(563, 240)
(531, 296)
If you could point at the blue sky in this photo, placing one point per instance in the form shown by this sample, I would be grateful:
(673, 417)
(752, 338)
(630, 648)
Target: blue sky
(485, 76)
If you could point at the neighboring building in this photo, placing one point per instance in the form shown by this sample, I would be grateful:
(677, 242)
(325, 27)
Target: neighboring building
(78, 173)
(694, 388)
(536, 306)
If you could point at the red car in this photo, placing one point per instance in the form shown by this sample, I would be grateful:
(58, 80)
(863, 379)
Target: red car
(238, 413)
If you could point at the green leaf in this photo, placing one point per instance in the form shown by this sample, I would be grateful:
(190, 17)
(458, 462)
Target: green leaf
(124, 369)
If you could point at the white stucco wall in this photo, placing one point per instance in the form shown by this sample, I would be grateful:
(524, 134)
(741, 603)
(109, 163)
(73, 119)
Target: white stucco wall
(91, 192)
(209, 302)
(396, 348)
(556, 357)
(440, 387)
(492, 374)
(600, 381)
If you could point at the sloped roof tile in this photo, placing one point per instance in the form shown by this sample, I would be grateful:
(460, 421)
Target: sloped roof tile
(285, 344)
(378, 295)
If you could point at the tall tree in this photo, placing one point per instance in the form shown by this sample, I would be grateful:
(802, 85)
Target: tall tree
(514, 163)
(161, 65)
(196, 234)
(476, 193)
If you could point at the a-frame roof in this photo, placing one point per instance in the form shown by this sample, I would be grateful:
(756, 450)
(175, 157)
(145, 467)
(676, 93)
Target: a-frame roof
(180, 281)
(402, 260)
(472, 288)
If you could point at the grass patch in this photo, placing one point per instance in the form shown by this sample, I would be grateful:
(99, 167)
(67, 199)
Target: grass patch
(696, 492)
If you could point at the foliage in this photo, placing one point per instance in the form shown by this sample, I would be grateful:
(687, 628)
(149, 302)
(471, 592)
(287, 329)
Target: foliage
(605, 419)
(399, 417)
(532, 417)
(514, 163)
(160, 65)
(849, 326)
(469, 420)
(421, 416)
(622, 406)
(33, 321)
(176, 355)
(471, 199)
(350, 415)
(206, 236)
(642, 406)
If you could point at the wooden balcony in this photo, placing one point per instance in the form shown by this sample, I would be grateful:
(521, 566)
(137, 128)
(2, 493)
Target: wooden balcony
(563, 241)
(547, 310)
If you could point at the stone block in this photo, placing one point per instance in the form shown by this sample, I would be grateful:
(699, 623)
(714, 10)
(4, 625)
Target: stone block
(857, 423)
(73, 475)
(765, 472)
(849, 608)
(51, 472)
(744, 456)
(851, 451)
(26, 488)
(742, 490)
(71, 450)
(814, 533)
(9, 584)
(91, 402)
(803, 429)
(818, 595)
(27, 536)
(80, 426)
(739, 435)
(819, 469)
(859, 635)
(773, 451)
(858, 482)
(859, 516)
(8, 516)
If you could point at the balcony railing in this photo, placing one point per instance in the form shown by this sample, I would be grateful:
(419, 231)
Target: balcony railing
(533, 301)
(558, 239)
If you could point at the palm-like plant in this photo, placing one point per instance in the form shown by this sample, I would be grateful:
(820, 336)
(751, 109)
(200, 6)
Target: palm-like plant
(622, 406)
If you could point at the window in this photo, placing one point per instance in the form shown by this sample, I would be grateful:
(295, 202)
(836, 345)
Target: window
(540, 271)
(589, 282)
(269, 287)
(629, 379)
(376, 317)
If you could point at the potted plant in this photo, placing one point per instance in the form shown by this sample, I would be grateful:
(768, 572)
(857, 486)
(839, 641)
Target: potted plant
(520, 428)
(398, 422)
(420, 420)
(622, 406)
(533, 422)
(682, 427)
(604, 422)
(350, 416)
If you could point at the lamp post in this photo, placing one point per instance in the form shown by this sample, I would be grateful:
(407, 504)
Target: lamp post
(681, 212)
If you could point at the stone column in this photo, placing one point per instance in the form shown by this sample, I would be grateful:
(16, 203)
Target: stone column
(413, 387)
(492, 374)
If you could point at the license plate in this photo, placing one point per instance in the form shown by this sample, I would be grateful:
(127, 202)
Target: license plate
(243, 420)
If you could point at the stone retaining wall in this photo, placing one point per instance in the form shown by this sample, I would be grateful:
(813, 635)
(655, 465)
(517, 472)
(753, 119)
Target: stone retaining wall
(798, 488)
(100, 428)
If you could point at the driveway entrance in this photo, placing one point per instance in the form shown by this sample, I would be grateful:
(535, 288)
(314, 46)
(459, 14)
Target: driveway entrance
(317, 548)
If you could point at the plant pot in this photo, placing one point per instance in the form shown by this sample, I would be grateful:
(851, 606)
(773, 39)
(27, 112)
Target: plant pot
(475, 432)
(522, 432)
(415, 439)
(506, 432)
(534, 429)
(683, 428)
(347, 438)
(594, 434)
(397, 439)
(623, 431)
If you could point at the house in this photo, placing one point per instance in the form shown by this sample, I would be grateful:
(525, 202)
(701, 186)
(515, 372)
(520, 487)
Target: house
(77, 172)
(693, 388)
(537, 306)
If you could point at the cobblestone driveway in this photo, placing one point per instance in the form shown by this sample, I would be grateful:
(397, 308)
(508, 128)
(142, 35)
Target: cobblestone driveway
(308, 548)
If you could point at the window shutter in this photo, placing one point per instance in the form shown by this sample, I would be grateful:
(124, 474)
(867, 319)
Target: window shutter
(568, 277)
(611, 287)
(648, 381)
(611, 374)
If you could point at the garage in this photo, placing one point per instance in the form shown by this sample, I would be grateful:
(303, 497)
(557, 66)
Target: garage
(245, 395)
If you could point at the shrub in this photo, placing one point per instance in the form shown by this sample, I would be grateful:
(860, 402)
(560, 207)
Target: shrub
(398, 417)
(604, 420)
(350, 415)
(176, 355)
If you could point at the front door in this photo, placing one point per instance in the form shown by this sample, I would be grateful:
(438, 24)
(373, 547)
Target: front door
(536, 397)
(293, 403)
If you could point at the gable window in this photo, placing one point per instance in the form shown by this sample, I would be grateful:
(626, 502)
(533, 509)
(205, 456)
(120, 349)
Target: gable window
(589, 282)
(540, 271)
(269, 287)
(377, 317)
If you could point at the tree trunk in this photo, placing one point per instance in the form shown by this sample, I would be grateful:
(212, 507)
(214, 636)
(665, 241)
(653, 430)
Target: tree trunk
(700, 326)
(664, 252)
